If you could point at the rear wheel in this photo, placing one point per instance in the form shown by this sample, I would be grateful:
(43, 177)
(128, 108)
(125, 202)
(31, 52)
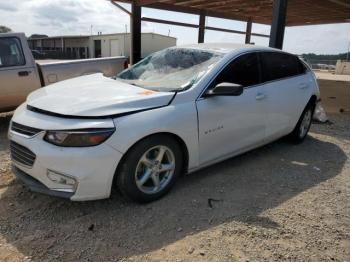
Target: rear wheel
(150, 168)
(303, 126)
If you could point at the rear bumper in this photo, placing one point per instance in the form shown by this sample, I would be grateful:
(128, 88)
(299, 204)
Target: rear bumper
(36, 186)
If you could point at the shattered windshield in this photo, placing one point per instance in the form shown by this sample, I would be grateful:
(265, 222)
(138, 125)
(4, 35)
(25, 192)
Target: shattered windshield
(172, 69)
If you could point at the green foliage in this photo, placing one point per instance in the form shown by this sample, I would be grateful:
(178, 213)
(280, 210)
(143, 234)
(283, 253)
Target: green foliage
(4, 29)
(312, 56)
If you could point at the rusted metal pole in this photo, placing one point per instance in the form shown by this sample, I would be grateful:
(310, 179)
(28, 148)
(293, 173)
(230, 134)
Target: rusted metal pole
(279, 15)
(201, 29)
(248, 32)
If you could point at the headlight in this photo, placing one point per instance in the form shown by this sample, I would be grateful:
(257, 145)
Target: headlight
(78, 138)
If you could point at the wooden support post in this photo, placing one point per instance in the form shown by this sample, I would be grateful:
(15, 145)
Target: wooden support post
(279, 15)
(201, 29)
(248, 32)
(135, 33)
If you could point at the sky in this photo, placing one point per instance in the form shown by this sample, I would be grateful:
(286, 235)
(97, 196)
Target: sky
(75, 17)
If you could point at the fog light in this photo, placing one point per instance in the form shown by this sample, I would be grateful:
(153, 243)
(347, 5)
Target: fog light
(64, 180)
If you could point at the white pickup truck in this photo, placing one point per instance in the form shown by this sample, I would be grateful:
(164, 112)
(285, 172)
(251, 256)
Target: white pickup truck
(20, 74)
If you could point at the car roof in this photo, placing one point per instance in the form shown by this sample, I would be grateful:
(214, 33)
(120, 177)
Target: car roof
(226, 48)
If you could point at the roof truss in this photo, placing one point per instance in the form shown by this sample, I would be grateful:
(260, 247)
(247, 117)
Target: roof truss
(299, 12)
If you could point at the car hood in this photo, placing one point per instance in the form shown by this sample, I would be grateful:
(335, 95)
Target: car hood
(95, 96)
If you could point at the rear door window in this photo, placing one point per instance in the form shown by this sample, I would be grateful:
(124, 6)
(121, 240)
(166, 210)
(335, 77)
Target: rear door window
(278, 65)
(244, 71)
(11, 53)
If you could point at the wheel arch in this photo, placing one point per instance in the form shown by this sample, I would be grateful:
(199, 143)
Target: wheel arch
(177, 138)
(313, 100)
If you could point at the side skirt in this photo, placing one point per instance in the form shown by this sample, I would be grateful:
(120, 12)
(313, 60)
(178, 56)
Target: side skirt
(231, 155)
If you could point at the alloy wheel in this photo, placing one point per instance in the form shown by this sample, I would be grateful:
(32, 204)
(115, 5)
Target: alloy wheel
(155, 169)
(305, 123)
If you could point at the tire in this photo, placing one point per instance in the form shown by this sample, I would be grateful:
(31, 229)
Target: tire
(143, 164)
(303, 126)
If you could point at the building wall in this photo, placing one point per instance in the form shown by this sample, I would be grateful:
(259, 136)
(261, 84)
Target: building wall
(342, 68)
(111, 45)
(106, 44)
(150, 43)
(57, 42)
(62, 47)
(76, 42)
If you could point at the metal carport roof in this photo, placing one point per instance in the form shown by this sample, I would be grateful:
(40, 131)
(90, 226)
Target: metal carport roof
(277, 13)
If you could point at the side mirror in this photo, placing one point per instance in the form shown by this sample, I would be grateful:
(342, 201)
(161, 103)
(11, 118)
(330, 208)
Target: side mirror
(225, 89)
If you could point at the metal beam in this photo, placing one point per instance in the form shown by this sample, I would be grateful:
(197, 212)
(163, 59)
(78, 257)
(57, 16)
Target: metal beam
(224, 30)
(306, 12)
(135, 33)
(201, 29)
(279, 14)
(248, 32)
(161, 21)
(233, 31)
(146, 2)
(339, 2)
(190, 10)
(120, 7)
(260, 35)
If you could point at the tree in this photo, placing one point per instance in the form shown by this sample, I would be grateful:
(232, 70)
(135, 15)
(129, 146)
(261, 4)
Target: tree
(33, 36)
(4, 29)
(341, 56)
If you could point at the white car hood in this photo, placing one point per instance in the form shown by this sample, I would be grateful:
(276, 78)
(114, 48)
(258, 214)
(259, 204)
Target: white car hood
(95, 96)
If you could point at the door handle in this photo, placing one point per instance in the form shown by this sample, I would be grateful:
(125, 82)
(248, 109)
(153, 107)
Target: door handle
(303, 86)
(260, 96)
(24, 73)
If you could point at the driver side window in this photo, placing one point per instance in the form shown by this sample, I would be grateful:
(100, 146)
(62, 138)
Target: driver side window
(244, 71)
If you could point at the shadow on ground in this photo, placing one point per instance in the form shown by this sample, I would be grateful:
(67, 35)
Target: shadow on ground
(4, 123)
(239, 189)
(337, 126)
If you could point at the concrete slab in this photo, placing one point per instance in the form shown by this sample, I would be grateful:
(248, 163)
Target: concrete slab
(324, 75)
(335, 95)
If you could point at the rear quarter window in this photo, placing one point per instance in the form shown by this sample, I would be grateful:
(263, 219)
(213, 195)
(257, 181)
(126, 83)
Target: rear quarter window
(279, 65)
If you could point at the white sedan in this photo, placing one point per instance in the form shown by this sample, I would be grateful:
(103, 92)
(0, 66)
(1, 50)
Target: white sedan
(176, 111)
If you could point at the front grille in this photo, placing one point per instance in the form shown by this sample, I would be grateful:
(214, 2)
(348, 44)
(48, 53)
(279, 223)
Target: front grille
(22, 154)
(24, 130)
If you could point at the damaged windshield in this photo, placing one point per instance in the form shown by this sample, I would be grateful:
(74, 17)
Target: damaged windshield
(172, 69)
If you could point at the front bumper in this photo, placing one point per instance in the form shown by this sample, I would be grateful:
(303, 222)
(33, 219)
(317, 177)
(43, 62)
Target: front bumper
(36, 186)
(93, 168)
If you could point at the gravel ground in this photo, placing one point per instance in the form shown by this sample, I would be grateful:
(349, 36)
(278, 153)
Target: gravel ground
(279, 202)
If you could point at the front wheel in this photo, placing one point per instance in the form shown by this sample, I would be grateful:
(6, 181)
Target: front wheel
(150, 168)
(303, 126)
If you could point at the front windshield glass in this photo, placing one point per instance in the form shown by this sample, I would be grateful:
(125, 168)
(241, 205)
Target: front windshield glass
(172, 69)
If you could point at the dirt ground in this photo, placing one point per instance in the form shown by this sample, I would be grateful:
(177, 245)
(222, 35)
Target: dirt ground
(278, 202)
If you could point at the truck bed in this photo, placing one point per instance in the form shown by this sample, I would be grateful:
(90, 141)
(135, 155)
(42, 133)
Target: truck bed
(57, 70)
